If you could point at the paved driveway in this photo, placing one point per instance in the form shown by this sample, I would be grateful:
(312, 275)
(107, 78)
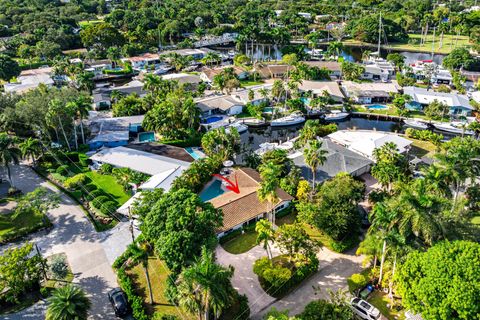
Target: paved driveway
(90, 254)
(333, 272)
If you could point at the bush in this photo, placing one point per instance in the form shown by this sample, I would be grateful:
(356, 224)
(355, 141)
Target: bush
(89, 187)
(58, 267)
(230, 236)
(76, 181)
(136, 302)
(44, 292)
(357, 281)
(99, 201)
(94, 194)
(105, 168)
(72, 156)
(108, 207)
(163, 316)
(424, 135)
(62, 170)
(58, 177)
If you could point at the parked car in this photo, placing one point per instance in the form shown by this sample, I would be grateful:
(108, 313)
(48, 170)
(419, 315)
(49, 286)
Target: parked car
(364, 310)
(119, 302)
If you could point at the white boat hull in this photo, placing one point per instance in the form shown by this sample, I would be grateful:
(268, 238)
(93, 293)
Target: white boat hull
(415, 124)
(283, 122)
(451, 129)
(336, 116)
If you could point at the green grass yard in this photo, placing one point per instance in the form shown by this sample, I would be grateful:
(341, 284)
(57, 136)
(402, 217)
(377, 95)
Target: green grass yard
(476, 220)
(158, 273)
(14, 225)
(380, 300)
(450, 42)
(249, 83)
(108, 184)
(242, 243)
(422, 148)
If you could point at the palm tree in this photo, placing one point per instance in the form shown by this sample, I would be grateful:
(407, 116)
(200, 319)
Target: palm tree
(315, 156)
(371, 247)
(113, 54)
(68, 303)
(80, 108)
(265, 234)
(264, 93)
(30, 148)
(140, 255)
(85, 81)
(151, 82)
(56, 111)
(211, 58)
(382, 219)
(9, 153)
(269, 173)
(205, 287)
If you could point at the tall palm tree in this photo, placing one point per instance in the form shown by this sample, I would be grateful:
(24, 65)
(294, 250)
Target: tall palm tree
(54, 117)
(151, 82)
(9, 153)
(140, 255)
(30, 148)
(265, 234)
(205, 287)
(315, 156)
(68, 303)
(269, 173)
(382, 219)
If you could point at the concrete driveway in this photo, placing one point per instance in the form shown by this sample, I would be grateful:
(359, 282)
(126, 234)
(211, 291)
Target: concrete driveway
(89, 253)
(333, 272)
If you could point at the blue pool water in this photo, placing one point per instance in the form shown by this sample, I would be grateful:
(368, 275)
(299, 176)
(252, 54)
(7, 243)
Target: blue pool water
(378, 107)
(146, 137)
(268, 109)
(212, 191)
(192, 152)
(212, 119)
(306, 101)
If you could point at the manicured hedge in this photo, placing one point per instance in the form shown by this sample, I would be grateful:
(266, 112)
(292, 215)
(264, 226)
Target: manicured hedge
(136, 302)
(99, 201)
(89, 187)
(108, 208)
(76, 181)
(94, 194)
(63, 170)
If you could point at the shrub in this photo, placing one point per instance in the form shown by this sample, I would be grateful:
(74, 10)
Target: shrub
(424, 135)
(105, 168)
(76, 181)
(357, 281)
(94, 194)
(108, 207)
(58, 267)
(277, 276)
(136, 302)
(62, 170)
(44, 292)
(89, 187)
(72, 156)
(58, 177)
(98, 201)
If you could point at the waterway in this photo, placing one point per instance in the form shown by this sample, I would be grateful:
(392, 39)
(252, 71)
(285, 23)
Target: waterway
(353, 53)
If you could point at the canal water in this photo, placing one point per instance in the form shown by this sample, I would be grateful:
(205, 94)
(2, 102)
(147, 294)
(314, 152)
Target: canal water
(252, 139)
(354, 54)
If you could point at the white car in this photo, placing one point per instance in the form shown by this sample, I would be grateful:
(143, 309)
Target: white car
(364, 310)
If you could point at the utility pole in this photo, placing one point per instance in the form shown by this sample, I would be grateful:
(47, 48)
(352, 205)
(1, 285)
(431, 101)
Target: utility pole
(44, 269)
(131, 224)
(433, 42)
(158, 27)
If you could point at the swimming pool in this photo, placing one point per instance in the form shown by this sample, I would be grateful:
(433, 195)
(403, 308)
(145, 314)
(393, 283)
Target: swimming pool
(212, 119)
(212, 191)
(377, 107)
(306, 101)
(146, 136)
(193, 153)
(268, 109)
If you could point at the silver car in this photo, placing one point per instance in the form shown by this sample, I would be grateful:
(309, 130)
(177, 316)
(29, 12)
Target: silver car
(364, 310)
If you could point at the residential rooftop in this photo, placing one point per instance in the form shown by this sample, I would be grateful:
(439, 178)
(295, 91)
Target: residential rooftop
(424, 96)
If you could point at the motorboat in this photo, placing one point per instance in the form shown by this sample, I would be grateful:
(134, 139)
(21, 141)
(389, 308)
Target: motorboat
(416, 124)
(266, 146)
(294, 118)
(237, 125)
(336, 115)
(453, 127)
(252, 122)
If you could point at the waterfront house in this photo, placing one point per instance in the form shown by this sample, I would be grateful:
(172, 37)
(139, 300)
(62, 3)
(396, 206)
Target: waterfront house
(439, 76)
(367, 93)
(378, 70)
(196, 54)
(190, 81)
(318, 88)
(30, 79)
(458, 104)
(225, 104)
(338, 159)
(113, 132)
(207, 74)
(145, 61)
(364, 142)
(241, 208)
(333, 66)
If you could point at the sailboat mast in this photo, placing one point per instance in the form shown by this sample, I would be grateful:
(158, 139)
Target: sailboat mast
(379, 33)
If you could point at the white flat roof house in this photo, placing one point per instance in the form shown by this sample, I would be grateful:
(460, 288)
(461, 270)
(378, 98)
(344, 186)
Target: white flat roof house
(370, 92)
(364, 142)
(30, 79)
(459, 104)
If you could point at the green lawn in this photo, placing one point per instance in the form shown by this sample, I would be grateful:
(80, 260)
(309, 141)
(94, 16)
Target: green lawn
(422, 148)
(158, 273)
(242, 243)
(14, 225)
(109, 185)
(413, 44)
(380, 300)
(86, 23)
(249, 83)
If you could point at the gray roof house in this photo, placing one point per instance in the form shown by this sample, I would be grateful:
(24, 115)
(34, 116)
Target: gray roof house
(459, 104)
(339, 159)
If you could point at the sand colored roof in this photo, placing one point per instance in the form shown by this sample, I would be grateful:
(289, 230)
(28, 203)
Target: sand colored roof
(241, 207)
(317, 87)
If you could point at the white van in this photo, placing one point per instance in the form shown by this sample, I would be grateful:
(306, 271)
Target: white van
(364, 310)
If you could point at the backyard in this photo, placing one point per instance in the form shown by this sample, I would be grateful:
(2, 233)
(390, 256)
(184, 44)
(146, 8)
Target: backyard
(109, 185)
(158, 273)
